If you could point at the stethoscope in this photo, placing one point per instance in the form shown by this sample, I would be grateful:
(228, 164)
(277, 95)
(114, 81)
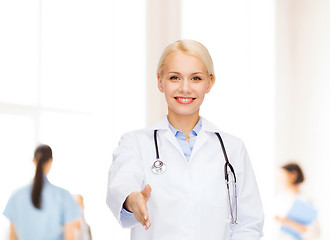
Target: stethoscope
(158, 167)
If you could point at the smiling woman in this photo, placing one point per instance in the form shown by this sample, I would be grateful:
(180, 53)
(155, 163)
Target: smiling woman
(185, 76)
(188, 198)
(184, 82)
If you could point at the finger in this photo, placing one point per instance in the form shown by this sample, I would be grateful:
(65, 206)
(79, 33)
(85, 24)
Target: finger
(140, 217)
(146, 192)
(141, 214)
(144, 221)
(148, 224)
(144, 212)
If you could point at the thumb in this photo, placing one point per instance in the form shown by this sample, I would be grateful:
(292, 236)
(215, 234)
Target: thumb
(146, 192)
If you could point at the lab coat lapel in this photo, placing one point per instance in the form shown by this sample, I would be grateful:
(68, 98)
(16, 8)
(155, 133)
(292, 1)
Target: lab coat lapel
(162, 124)
(202, 135)
(200, 141)
(171, 138)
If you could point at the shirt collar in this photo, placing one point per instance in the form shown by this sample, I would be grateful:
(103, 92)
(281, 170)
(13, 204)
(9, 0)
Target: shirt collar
(46, 179)
(194, 131)
(162, 124)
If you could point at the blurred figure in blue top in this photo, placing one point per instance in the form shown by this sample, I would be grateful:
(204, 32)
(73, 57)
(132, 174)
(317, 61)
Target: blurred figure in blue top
(296, 215)
(41, 210)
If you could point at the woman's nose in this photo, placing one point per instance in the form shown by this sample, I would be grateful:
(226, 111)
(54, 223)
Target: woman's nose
(185, 86)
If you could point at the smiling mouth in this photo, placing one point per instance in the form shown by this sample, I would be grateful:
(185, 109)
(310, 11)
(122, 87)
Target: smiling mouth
(184, 100)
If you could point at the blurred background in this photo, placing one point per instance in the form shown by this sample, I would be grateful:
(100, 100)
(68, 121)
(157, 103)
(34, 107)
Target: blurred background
(77, 74)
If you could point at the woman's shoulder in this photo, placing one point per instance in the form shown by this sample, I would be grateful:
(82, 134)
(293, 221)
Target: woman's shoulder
(212, 128)
(161, 124)
(60, 191)
(17, 200)
(21, 192)
(305, 196)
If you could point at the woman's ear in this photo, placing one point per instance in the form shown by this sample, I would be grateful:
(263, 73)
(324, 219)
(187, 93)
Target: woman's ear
(211, 83)
(293, 177)
(47, 166)
(160, 83)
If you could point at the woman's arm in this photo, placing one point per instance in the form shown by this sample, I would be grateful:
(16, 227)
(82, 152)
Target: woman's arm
(12, 234)
(292, 224)
(69, 229)
(125, 177)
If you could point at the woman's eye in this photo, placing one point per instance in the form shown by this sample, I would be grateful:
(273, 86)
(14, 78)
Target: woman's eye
(174, 78)
(196, 78)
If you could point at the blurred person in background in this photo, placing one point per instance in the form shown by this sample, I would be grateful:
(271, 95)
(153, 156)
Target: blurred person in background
(40, 210)
(296, 215)
(82, 230)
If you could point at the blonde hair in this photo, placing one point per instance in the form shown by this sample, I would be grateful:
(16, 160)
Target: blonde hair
(191, 47)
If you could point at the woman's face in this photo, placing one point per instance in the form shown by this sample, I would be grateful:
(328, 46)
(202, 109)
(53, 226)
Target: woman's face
(184, 81)
(288, 178)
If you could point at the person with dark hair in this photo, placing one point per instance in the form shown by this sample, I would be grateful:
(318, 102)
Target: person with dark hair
(296, 214)
(41, 210)
(295, 173)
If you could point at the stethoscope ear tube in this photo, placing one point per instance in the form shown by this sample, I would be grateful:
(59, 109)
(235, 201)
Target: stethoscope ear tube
(227, 164)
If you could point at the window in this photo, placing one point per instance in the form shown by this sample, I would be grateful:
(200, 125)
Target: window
(72, 76)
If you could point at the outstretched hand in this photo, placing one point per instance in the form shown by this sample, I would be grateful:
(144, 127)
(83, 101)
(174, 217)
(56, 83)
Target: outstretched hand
(136, 203)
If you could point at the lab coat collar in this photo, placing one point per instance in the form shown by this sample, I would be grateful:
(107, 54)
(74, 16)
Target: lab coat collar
(162, 124)
(200, 141)
(207, 127)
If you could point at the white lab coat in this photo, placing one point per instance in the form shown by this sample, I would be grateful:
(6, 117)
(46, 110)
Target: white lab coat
(189, 200)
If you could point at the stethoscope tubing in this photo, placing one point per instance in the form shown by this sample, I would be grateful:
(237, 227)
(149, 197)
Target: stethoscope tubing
(159, 167)
(227, 164)
(156, 144)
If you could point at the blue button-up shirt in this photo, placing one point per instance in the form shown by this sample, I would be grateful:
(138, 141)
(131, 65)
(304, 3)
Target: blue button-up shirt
(57, 208)
(186, 146)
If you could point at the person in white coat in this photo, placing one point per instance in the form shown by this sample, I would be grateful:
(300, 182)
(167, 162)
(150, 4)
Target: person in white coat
(184, 195)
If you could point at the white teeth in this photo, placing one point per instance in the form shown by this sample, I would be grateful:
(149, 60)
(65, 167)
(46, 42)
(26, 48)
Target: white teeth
(184, 99)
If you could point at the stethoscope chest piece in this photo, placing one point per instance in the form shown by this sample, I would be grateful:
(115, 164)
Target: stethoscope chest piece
(158, 167)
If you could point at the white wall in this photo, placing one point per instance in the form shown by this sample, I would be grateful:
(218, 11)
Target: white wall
(302, 102)
(163, 28)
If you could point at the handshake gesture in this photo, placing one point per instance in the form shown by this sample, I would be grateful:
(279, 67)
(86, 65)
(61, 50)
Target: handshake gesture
(136, 203)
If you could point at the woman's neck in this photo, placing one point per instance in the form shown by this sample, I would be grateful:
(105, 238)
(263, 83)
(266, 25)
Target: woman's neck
(183, 123)
(294, 189)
